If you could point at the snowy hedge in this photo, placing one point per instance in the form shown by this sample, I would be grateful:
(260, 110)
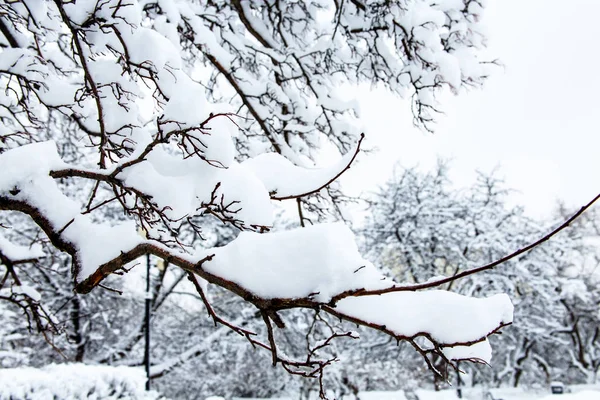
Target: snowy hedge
(74, 382)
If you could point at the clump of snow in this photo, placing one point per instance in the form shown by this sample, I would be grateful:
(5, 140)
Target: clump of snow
(27, 291)
(189, 107)
(16, 252)
(478, 351)
(449, 318)
(146, 44)
(27, 179)
(24, 163)
(75, 381)
(285, 179)
(182, 186)
(99, 243)
(322, 260)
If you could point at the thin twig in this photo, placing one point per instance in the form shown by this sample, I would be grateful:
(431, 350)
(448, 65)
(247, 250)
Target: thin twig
(330, 181)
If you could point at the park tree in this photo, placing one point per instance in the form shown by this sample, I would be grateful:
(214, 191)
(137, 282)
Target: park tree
(127, 128)
(421, 226)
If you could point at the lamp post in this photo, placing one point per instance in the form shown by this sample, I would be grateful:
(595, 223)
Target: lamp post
(147, 328)
(142, 232)
(459, 381)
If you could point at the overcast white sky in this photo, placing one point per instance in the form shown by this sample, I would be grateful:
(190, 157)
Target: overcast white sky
(536, 118)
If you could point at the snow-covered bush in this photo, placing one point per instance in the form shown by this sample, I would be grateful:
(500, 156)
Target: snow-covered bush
(75, 382)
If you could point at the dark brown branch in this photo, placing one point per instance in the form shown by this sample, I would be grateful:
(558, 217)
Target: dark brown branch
(237, 5)
(271, 337)
(267, 307)
(211, 312)
(300, 214)
(8, 35)
(246, 101)
(89, 79)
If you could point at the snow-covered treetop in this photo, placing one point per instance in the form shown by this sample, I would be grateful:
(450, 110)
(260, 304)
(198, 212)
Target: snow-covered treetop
(163, 112)
(277, 64)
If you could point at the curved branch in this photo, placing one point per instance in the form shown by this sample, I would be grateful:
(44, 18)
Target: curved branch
(468, 272)
(8, 35)
(330, 181)
(194, 266)
(88, 77)
(244, 98)
(437, 346)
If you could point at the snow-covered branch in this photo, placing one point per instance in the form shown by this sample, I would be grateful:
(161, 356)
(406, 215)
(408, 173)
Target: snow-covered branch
(125, 124)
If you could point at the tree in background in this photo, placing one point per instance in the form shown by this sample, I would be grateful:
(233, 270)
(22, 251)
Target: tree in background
(420, 227)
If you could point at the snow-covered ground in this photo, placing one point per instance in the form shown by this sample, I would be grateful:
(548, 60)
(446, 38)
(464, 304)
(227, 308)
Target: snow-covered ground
(80, 381)
(577, 392)
(74, 381)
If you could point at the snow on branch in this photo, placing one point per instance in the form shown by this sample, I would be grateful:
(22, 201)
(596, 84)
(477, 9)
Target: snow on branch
(286, 181)
(447, 320)
(306, 267)
(17, 254)
(74, 381)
